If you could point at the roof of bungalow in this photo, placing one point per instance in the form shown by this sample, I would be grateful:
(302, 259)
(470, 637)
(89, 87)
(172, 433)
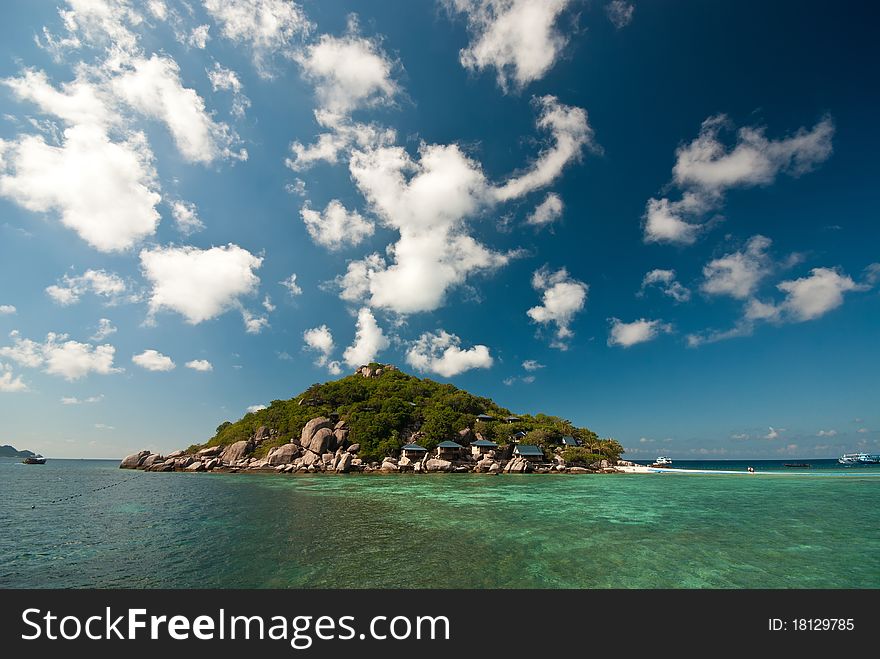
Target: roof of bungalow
(519, 434)
(512, 419)
(528, 449)
(413, 447)
(484, 442)
(485, 417)
(449, 444)
(570, 441)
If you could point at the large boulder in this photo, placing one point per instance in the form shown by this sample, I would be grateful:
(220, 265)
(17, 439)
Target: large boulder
(175, 454)
(283, 454)
(404, 462)
(341, 435)
(465, 436)
(354, 448)
(134, 460)
(210, 452)
(311, 428)
(261, 434)
(320, 440)
(310, 459)
(150, 460)
(212, 463)
(388, 466)
(436, 464)
(578, 470)
(485, 464)
(196, 466)
(494, 469)
(344, 463)
(236, 451)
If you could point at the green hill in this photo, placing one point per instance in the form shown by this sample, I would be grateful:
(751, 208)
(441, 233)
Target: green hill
(7, 451)
(384, 411)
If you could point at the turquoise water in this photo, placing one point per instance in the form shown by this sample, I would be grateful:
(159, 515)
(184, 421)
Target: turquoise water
(114, 528)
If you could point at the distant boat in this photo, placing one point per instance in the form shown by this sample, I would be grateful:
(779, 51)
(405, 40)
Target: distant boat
(801, 465)
(35, 460)
(850, 459)
(662, 461)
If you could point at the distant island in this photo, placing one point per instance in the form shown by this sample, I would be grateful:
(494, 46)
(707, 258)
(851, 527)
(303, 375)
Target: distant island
(7, 451)
(380, 419)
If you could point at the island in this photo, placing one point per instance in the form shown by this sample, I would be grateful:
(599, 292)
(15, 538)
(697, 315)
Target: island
(7, 451)
(382, 420)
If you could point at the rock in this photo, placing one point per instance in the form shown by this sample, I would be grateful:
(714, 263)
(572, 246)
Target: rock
(495, 468)
(280, 468)
(354, 448)
(212, 463)
(560, 467)
(196, 466)
(387, 465)
(310, 459)
(389, 459)
(485, 464)
(436, 464)
(341, 435)
(559, 460)
(461, 469)
(284, 454)
(465, 436)
(174, 455)
(261, 434)
(134, 460)
(356, 462)
(517, 466)
(578, 470)
(184, 462)
(210, 452)
(236, 451)
(327, 458)
(165, 466)
(404, 462)
(604, 464)
(319, 440)
(340, 425)
(418, 468)
(367, 372)
(150, 460)
(311, 428)
(343, 465)
(311, 469)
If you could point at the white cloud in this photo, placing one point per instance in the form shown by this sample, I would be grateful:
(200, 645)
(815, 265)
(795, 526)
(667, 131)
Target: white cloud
(199, 284)
(104, 426)
(336, 227)
(369, 340)
(7, 309)
(290, 284)
(738, 274)
(620, 13)
(158, 9)
(547, 212)
(153, 87)
(862, 430)
(571, 132)
(9, 383)
(666, 281)
(255, 408)
(440, 353)
(223, 79)
(267, 304)
(561, 298)
(813, 296)
(198, 36)
(78, 102)
(740, 436)
(253, 324)
(348, 72)
(705, 169)
(266, 26)
(520, 39)
(773, 433)
(532, 365)
(201, 365)
(105, 329)
(61, 356)
(344, 136)
(98, 22)
(153, 360)
(320, 340)
(73, 400)
(826, 433)
(186, 217)
(639, 331)
(105, 191)
(70, 289)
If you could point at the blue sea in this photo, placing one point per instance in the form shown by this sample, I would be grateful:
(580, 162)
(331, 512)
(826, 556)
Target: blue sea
(86, 523)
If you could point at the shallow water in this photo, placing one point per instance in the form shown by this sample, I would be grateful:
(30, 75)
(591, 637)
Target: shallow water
(145, 530)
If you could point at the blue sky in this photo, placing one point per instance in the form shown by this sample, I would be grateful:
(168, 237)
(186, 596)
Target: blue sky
(658, 220)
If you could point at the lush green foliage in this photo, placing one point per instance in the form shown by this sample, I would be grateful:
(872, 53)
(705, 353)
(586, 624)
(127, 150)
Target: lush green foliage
(383, 412)
(580, 456)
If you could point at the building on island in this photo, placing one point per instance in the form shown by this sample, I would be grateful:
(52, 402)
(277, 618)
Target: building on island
(512, 419)
(413, 451)
(485, 418)
(449, 450)
(530, 452)
(517, 436)
(570, 441)
(482, 447)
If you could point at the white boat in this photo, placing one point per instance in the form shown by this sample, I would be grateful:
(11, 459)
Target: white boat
(662, 461)
(858, 459)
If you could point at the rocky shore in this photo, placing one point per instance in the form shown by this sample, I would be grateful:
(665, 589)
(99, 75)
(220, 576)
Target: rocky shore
(324, 446)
